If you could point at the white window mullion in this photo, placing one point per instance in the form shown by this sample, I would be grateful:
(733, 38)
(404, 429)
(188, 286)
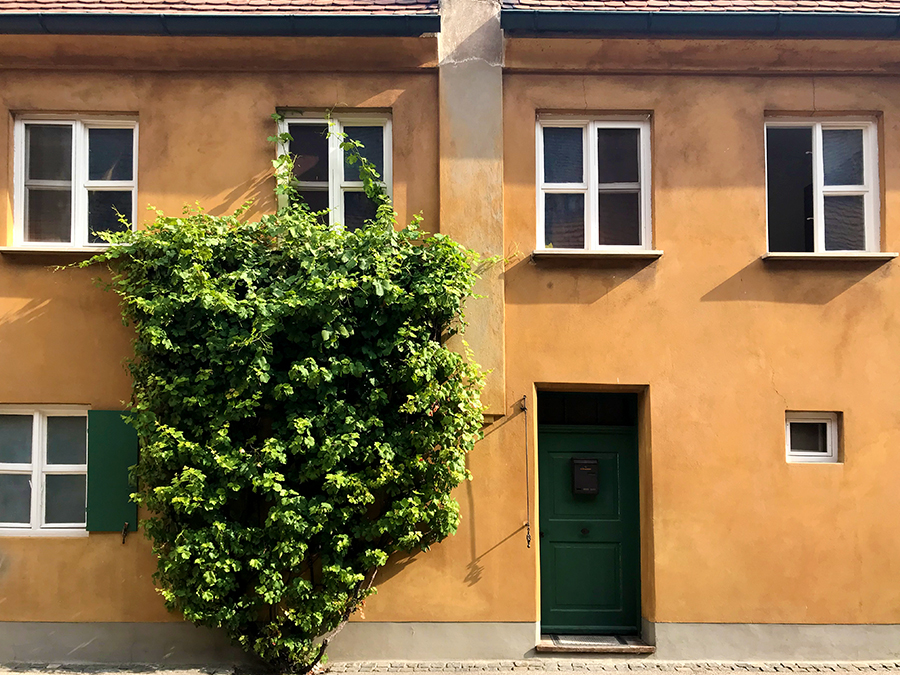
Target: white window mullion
(37, 464)
(79, 191)
(591, 200)
(870, 179)
(336, 171)
(818, 164)
(645, 175)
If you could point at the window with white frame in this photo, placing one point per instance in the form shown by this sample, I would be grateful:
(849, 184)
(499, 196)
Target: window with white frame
(822, 186)
(811, 436)
(593, 179)
(43, 469)
(73, 179)
(325, 180)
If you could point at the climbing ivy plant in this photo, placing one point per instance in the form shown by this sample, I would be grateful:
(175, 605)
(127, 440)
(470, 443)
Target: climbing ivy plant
(301, 418)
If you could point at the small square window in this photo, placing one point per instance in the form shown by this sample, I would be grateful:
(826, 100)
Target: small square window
(43, 470)
(324, 179)
(593, 184)
(74, 178)
(822, 186)
(811, 437)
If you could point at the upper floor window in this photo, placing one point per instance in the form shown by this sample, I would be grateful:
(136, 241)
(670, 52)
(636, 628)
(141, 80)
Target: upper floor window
(73, 179)
(43, 469)
(593, 179)
(325, 180)
(822, 186)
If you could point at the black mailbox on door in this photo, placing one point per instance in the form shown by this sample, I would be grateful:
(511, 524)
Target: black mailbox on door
(585, 476)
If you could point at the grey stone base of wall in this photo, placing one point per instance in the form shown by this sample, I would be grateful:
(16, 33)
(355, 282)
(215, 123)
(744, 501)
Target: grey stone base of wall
(181, 644)
(422, 641)
(168, 644)
(774, 642)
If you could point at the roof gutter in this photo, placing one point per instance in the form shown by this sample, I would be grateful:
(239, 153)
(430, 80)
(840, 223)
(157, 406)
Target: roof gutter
(289, 25)
(663, 24)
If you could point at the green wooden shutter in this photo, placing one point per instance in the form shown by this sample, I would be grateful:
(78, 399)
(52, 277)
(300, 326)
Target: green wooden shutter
(112, 449)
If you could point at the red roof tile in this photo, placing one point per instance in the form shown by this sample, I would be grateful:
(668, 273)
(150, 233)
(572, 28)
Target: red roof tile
(231, 7)
(829, 6)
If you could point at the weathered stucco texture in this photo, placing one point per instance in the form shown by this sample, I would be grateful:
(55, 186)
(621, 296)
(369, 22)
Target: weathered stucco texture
(723, 342)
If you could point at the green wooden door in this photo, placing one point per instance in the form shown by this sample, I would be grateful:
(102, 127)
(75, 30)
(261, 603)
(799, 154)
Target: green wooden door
(590, 543)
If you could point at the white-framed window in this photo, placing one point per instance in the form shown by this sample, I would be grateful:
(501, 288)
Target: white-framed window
(822, 192)
(43, 470)
(811, 437)
(593, 178)
(73, 177)
(324, 178)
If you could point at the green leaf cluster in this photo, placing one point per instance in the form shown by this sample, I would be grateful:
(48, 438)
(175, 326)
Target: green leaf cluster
(301, 418)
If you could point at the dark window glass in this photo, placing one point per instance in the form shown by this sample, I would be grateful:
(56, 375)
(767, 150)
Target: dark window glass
(358, 209)
(104, 207)
(583, 408)
(48, 215)
(563, 221)
(789, 189)
(617, 155)
(49, 151)
(317, 201)
(808, 436)
(15, 498)
(65, 497)
(845, 224)
(310, 150)
(15, 439)
(620, 218)
(372, 139)
(563, 155)
(842, 154)
(66, 440)
(110, 154)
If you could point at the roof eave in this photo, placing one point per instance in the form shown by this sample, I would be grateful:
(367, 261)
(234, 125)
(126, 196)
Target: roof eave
(664, 24)
(275, 25)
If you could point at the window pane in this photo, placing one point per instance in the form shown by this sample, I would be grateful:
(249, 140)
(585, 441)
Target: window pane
(620, 218)
(358, 208)
(842, 152)
(49, 151)
(110, 154)
(808, 436)
(15, 498)
(372, 139)
(789, 189)
(48, 215)
(317, 200)
(310, 151)
(66, 440)
(15, 439)
(617, 155)
(845, 224)
(103, 206)
(66, 499)
(563, 155)
(563, 221)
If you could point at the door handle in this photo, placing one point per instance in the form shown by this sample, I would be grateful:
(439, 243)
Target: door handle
(584, 530)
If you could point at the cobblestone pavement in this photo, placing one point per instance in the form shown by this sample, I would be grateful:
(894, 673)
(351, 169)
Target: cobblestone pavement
(540, 664)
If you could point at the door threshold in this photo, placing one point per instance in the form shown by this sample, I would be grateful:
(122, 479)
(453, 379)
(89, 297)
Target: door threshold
(593, 644)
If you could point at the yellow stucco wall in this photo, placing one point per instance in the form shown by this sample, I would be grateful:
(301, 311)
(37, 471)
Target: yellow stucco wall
(724, 342)
(718, 343)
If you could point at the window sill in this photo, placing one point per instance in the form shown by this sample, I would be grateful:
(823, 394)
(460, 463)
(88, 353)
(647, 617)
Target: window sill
(67, 251)
(626, 255)
(28, 532)
(842, 256)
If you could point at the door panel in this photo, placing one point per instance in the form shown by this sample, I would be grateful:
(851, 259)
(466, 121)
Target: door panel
(590, 544)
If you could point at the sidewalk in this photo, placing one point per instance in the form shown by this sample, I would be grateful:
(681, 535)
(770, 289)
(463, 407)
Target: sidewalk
(536, 664)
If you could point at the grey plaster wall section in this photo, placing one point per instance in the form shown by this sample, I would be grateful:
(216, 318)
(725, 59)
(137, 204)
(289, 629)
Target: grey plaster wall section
(776, 642)
(421, 641)
(169, 644)
(470, 52)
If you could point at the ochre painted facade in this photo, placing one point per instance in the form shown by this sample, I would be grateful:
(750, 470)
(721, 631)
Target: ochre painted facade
(717, 342)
